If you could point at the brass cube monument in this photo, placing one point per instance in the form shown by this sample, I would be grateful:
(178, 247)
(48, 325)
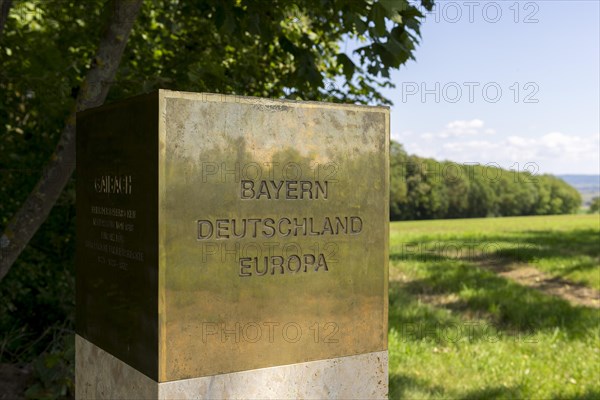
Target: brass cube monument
(218, 234)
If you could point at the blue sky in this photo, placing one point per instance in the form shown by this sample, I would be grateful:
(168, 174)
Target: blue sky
(547, 69)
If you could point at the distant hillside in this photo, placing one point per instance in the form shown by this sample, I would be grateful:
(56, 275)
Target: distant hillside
(587, 185)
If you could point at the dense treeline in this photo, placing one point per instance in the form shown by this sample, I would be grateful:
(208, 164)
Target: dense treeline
(423, 188)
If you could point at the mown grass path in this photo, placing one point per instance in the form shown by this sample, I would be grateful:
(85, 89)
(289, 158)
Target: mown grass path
(495, 308)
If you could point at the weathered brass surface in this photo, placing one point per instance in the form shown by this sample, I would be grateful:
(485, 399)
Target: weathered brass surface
(212, 320)
(272, 235)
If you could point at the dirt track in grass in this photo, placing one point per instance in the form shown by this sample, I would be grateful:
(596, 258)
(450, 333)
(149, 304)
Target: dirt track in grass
(572, 292)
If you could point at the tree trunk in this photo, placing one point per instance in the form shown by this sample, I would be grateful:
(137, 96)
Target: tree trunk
(4, 9)
(92, 93)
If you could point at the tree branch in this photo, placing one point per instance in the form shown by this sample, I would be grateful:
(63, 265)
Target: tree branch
(93, 92)
(4, 9)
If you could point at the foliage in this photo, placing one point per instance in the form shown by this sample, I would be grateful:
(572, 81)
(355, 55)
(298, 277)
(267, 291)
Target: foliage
(54, 372)
(422, 188)
(458, 329)
(595, 205)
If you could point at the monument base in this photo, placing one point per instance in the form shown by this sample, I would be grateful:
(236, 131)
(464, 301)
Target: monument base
(100, 375)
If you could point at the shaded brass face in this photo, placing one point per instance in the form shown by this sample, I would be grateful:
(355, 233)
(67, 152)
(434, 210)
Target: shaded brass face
(272, 233)
(117, 230)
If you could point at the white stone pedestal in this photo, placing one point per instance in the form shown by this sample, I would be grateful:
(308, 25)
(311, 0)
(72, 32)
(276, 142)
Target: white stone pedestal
(100, 375)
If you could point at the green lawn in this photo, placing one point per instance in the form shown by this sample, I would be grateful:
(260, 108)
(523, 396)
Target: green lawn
(458, 329)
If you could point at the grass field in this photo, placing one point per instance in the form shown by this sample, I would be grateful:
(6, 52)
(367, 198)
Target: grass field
(495, 308)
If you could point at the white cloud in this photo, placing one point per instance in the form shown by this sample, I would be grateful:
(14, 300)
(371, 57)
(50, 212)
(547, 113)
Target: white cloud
(402, 136)
(555, 151)
(468, 141)
(460, 128)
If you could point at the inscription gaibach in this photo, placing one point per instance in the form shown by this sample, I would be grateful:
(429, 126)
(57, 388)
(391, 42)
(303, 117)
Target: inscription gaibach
(113, 184)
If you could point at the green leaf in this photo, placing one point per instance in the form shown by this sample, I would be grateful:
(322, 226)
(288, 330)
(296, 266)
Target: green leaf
(377, 15)
(348, 66)
(393, 9)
